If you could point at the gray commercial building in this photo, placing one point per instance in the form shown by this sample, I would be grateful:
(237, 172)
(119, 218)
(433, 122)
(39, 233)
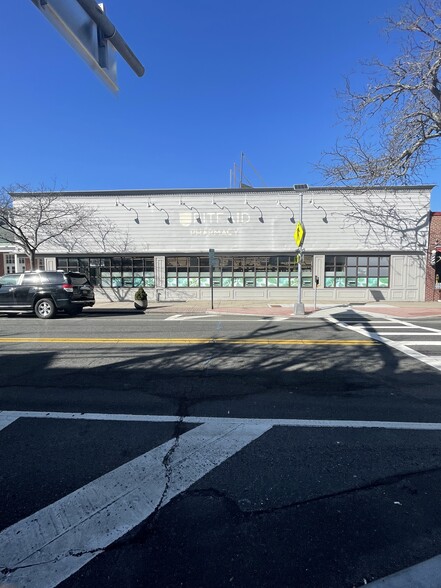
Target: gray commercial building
(360, 244)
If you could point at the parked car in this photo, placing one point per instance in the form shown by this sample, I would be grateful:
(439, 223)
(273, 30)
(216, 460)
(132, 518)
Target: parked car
(45, 293)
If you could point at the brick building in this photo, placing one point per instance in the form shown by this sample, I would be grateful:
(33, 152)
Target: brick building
(433, 275)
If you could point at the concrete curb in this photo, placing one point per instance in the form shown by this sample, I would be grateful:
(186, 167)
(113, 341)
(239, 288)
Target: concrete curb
(281, 310)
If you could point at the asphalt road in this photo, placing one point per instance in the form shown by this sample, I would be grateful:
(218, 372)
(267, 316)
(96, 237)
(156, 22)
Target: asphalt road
(217, 450)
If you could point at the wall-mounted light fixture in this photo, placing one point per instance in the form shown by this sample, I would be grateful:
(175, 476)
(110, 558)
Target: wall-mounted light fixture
(318, 207)
(198, 218)
(119, 203)
(151, 204)
(292, 219)
(230, 218)
(255, 208)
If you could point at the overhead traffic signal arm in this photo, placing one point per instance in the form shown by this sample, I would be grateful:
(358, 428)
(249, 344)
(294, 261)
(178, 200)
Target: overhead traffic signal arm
(109, 33)
(85, 26)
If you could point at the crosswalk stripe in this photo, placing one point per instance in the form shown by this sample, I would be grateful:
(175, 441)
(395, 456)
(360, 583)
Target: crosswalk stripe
(406, 333)
(6, 420)
(412, 326)
(425, 343)
(384, 337)
(47, 547)
(426, 574)
(383, 326)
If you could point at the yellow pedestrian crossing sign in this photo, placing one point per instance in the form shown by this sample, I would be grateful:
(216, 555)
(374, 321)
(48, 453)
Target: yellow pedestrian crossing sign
(299, 233)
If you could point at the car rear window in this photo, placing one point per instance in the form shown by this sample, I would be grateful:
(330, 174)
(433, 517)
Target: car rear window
(52, 277)
(31, 280)
(77, 279)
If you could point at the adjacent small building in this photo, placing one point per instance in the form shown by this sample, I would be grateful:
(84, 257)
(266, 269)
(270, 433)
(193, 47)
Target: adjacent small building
(433, 274)
(360, 244)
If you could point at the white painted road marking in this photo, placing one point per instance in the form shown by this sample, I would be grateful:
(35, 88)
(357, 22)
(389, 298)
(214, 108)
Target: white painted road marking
(224, 421)
(398, 333)
(425, 343)
(47, 547)
(433, 361)
(383, 326)
(6, 420)
(215, 316)
(423, 575)
(180, 317)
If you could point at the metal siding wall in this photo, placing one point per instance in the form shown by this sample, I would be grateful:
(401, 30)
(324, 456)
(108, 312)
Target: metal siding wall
(184, 234)
(394, 228)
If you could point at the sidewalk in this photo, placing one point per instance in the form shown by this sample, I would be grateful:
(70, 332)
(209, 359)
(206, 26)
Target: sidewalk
(261, 308)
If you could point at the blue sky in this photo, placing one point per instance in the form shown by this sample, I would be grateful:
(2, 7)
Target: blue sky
(222, 78)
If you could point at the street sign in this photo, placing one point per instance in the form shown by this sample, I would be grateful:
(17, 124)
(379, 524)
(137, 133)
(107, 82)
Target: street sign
(299, 234)
(211, 258)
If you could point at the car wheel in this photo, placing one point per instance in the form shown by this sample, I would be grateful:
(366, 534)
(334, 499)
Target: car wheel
(45, 308)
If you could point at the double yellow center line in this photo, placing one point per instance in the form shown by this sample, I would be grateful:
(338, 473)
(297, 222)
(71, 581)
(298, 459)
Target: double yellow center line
(185, 341)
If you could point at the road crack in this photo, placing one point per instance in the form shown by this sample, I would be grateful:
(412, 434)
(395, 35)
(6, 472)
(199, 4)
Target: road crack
(235, 508)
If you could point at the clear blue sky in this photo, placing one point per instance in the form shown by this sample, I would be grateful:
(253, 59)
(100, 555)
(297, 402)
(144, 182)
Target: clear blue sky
(222, 77)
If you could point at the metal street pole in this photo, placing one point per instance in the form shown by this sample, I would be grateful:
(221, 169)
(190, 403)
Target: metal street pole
(211, 262)
(299, 308)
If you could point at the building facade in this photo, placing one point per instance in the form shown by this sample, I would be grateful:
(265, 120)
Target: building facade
(359, 244)
(433, 275)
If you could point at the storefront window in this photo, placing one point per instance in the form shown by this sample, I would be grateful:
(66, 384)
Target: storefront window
(239, 271)
(112, 272)
(357, 271)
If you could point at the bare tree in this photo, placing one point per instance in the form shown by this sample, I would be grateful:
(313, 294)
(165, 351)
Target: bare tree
(32, 219)
(98, 234)
(394, 124)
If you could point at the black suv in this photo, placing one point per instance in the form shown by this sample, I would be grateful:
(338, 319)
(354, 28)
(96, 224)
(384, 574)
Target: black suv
(45, 293)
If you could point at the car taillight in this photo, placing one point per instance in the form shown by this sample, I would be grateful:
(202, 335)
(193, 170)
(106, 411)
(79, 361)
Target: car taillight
(67, 287)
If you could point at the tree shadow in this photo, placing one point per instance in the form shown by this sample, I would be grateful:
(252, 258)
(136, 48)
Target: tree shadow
(257, 374)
